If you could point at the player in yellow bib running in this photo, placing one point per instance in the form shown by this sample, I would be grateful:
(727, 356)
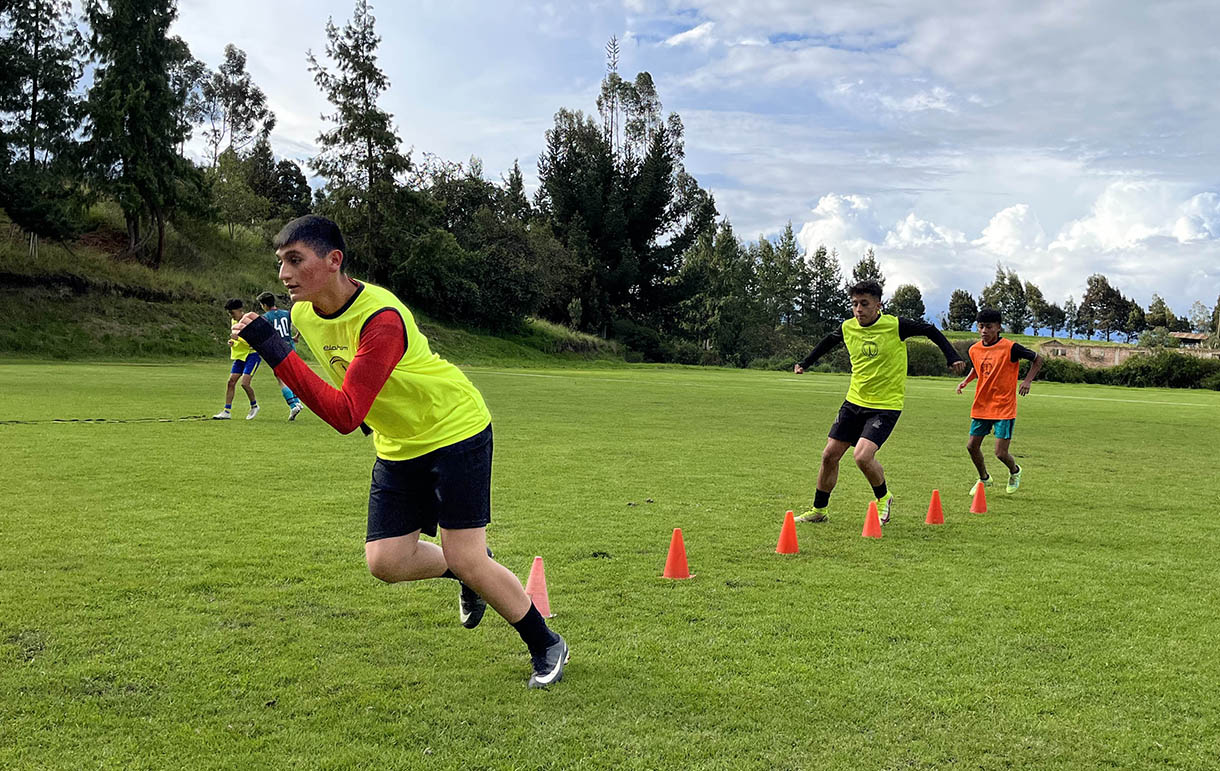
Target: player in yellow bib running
(430, 428)
(876, 344)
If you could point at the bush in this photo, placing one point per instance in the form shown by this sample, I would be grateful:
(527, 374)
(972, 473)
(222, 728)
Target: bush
(1063, 371)
(925, 359)
(837, 360)
(646, 341)
(683, 352)
(1164, 369)
(1212, 381)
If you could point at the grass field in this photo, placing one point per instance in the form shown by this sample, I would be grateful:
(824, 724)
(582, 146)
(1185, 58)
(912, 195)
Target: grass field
(192, 595)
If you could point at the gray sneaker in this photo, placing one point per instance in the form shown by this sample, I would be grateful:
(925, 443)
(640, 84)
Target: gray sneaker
(548, 668)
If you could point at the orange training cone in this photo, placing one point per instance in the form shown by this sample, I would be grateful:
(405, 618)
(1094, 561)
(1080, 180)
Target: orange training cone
(535, 587)
(872, 525)
(936, 515)
(787, 537)
(979, 504)
(675, 563)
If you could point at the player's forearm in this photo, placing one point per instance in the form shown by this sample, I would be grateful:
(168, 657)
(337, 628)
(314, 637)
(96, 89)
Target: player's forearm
(908, 328)
(1034, 368)
(343, 409)
(824, 346)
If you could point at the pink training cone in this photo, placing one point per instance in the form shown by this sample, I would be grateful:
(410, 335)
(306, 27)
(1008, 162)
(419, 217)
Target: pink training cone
(535, 587)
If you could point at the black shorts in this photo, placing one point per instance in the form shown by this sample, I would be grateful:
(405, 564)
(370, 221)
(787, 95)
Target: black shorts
(450, 487)
(855, 422)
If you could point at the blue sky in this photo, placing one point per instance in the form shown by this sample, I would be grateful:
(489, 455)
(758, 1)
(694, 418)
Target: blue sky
(1059, 139)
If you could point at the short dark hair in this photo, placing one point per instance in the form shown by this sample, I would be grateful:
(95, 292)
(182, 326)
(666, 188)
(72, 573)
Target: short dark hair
(267, 299)
(867, 286)
(318, 233)
(234, 304)
(989, 316)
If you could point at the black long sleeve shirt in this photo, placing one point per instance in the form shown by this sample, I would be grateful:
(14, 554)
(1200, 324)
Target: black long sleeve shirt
(906, 328)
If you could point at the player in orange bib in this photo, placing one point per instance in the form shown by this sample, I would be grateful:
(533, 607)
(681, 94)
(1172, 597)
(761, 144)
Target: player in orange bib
(995, 362)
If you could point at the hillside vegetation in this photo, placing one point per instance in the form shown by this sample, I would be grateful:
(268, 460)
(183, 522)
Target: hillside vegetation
(76, 301)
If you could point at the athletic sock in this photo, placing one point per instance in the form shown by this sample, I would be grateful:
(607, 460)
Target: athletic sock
(534, 632)
(289, 397)
(253, 403)
(880, 490)
(448, 574)
(821, 499)
(229, 407)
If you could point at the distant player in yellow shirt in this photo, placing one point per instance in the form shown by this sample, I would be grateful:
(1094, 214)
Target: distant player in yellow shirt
(876, 344)
(245, 364)
(430, 428)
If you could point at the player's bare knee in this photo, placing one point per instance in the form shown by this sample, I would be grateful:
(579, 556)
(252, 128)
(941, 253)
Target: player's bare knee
(384, 563)
(831, 456)
(863, 458)
(464, 562)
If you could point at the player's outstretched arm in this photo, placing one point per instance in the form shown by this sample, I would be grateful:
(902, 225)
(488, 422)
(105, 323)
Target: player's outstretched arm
(824, 346)
(920, 328)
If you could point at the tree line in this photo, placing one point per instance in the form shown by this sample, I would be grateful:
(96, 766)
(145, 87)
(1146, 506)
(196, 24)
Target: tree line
(618, 239)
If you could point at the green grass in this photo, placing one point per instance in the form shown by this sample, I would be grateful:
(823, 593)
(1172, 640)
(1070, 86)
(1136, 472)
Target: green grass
(192, 594)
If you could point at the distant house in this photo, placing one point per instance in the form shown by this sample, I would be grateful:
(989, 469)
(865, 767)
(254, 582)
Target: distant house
(1190, 339)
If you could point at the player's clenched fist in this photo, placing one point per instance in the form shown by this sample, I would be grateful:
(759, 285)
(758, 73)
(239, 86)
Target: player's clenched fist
(241, 324)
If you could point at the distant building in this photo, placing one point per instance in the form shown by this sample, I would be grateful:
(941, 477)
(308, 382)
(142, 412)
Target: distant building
(1190, 339)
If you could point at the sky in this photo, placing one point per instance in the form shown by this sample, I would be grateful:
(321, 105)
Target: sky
(1058, 139)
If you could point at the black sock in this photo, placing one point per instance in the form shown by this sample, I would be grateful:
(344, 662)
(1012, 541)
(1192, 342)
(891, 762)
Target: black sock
(821, 499)
(449, 574)
(879, 491)
(534, 632)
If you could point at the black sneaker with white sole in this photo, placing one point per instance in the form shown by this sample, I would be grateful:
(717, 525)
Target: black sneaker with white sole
(471, 606)
(548, 668)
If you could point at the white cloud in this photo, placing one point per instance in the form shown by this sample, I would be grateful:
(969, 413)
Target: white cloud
(845, 222)
(701, 35)
(1200, 219)
(913, 231)
(1012, 231)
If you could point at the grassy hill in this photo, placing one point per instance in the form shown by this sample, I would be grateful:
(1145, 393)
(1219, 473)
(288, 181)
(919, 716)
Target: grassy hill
(79, 301)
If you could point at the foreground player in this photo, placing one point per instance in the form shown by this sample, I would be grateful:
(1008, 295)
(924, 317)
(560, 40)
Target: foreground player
(283, 325)
(995, 361)
(876, 344)
(430, 427)
(245, 364)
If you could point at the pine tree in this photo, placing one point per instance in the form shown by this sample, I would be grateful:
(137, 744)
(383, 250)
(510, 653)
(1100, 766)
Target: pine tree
(907, 302)
(867, 269)
(962, 311)
(360, 156)
(134, 128)
(41, 62)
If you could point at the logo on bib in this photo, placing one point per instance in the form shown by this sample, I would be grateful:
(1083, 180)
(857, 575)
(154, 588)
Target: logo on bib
(338, 363)
(870, 348)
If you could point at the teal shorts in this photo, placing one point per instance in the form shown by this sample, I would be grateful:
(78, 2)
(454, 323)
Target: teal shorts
(982, 427)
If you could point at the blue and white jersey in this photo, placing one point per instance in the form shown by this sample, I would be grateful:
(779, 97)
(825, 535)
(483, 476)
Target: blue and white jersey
(282, 321)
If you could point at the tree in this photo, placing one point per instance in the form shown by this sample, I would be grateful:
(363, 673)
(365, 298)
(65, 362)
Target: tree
(631, 212)
(962, 311)
(134, 128)
(1135, 322)
(292, 195)
(235, 109)
(867, 269)
(259, 168)
(1158, 314)
(1054, 318)
(236, 202)
(1037, 306)
(1200, 318)
(823, 300)
(516, 205)
(1007, 295)
(1158, 337)
(1071, 317)
(187, 77)
(360, 156)
(40, 55)
(907, 302)
(1102, 307)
